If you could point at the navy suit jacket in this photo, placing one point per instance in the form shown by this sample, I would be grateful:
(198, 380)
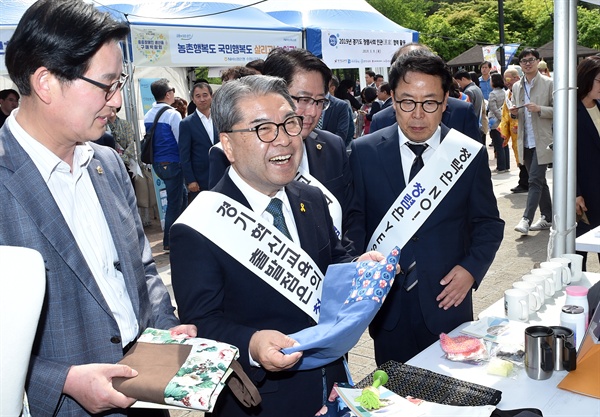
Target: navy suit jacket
(337, 118)
(327, 162)
(588, 167)
(465, 229)
(194, 144)
(76, 324)
(458, 115)
(229, 303)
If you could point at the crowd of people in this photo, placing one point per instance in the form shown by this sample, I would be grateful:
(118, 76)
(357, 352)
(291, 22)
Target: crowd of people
(278, 143)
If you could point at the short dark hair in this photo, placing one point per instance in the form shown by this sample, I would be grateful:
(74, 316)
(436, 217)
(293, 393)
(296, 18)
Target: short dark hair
(5, 93)
(335, 81)
(378, 76)
(497, 80)
(416, 61)
(257, 65)
(202, 84)
(486, 63)
(61, 35)
(225, 107)
(529, 51)
(462, 74)
(370, 73)
(587, 71)
(286, 63)
(369, 94)
(385, 86)
(160, 88)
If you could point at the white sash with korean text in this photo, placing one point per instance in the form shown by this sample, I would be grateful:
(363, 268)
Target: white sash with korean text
(334, 206)
(260, 247)
(425, 192)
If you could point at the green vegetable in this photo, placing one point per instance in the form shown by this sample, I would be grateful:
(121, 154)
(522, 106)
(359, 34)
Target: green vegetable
(369, 398)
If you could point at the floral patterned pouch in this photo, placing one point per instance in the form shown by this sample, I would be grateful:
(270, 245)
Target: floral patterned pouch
(174, 369)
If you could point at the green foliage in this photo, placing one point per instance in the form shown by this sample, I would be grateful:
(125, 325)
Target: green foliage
(450, 27)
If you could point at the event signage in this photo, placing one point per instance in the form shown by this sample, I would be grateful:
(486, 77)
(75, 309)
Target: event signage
(5, 35)
(163, 46)
(490, 54)
(358, 49)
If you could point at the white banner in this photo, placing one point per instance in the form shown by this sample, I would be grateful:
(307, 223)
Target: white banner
(193, 46)
(425, 192)
(358, 49)
(260, 247)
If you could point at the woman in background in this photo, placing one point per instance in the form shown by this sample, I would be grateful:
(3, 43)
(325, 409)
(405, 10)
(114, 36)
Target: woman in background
(181, 105)
(587, 203)
(495, 103)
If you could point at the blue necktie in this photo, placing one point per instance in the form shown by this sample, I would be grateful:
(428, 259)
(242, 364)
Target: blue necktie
(411, 274)
(274, 208)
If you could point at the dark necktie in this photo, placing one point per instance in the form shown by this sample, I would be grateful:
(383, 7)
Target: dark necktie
(274, 208)
(411, 274)
(418, 161)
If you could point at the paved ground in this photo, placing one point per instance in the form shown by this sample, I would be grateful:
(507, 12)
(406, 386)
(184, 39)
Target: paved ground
(516, 256)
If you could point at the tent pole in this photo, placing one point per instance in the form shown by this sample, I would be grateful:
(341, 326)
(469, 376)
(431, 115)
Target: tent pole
(572, 131)
(129, 98)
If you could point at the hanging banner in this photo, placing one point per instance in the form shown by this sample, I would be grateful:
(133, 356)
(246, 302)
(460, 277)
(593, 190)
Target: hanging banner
(490, 54)
(164, 46)
(357, 49)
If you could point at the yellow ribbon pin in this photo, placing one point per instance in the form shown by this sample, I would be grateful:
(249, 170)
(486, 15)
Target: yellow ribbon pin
(100, 170)
(302, 209)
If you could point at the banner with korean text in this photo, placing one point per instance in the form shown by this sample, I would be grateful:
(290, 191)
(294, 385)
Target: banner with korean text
(168, 46)
(5, 35)
(359, 49)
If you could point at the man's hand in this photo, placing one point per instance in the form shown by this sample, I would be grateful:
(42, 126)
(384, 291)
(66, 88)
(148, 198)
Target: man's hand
(533, 108)
(458, 283)
(373, 255)
(265, 347)
(91, 386)
(193, 187)
(580, 206)
(189, 329)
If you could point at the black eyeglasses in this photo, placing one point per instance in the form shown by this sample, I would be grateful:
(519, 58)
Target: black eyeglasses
(304, 102)
(428, 106)
(528, 61)
(267, 132)
(109, 89)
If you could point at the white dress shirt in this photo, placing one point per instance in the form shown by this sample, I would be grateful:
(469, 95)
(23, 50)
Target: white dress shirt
(408, 155)
(78, 202)
(207, 122)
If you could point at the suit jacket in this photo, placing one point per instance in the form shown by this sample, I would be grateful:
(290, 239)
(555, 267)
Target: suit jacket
(229, 303)
(541, 94)
(76, 324)
(465, 229)
(588, 168)
(336, 119)
(327, 162)
(458, 115)
(194, 144)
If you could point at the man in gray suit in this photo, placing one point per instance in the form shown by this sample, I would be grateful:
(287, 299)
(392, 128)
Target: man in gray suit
(73, 202)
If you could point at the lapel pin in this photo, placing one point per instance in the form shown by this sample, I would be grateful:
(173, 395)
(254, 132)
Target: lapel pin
(319, 146)
(100, 170)
(302, 209)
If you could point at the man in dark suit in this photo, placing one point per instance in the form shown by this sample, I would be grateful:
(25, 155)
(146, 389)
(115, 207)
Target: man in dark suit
(196, 135)
(261, 136)
(451, 251)
(72, 201)
(324, 154)
(338, 118)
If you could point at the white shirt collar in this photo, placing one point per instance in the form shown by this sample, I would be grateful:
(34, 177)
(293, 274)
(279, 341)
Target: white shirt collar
(433, 142)
(257, 200)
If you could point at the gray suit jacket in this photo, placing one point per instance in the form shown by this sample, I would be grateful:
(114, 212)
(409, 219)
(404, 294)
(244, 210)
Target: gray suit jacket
(76, 324)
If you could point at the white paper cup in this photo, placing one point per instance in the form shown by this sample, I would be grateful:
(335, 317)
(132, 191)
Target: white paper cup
(535, 300)
(576, 265)
(516, 305)
(544, 279)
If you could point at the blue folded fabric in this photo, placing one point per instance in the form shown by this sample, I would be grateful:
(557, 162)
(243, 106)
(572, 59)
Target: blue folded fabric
(352, 295)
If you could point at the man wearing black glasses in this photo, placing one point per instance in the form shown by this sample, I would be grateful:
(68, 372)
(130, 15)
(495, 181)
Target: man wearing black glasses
(231, 289)
(72, 201)
(533, 102)
(430, 188)
(324, 156)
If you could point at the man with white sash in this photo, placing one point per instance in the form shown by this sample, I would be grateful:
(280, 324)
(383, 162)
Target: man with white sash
(445, 220)
(249, 256)
(324, 162)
